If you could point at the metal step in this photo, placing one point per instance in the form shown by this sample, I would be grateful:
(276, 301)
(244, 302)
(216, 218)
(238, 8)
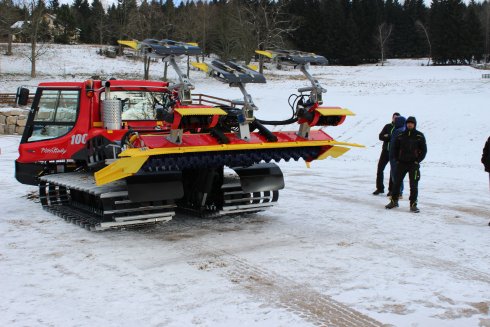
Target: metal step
(246, 208)
(109, 225)
(138, 209)
(167, 216)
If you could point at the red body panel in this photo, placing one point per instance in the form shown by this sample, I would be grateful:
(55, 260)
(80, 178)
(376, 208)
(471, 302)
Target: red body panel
(160, 141)
(88, 125)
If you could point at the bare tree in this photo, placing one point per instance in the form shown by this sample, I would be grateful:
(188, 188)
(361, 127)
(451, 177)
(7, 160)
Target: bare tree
(421, 26)
(35, 27)
(123, 12)
(382, 35)
(10, 14)
(139, 26)
(239, 27)
(224, 40)
(269, 23)
(204, 14)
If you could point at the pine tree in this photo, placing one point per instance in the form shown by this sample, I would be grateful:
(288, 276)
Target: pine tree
(473, 34)
(98, 20)
(349, 44)
(65, 23)
(82, 13)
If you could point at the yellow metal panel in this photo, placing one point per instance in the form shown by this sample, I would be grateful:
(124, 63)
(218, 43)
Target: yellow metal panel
(193, 43)
(335, 152)
(119, 169)
(200, 111)
(139, 152)
(264, 53)
(131, 44)
(200, 65)
(253, 67)
(335, 112)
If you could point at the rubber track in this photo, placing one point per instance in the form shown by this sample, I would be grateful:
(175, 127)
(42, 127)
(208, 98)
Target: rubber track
(85, 221)
(72, 216)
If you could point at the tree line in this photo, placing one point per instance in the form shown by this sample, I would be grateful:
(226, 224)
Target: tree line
(347, 32)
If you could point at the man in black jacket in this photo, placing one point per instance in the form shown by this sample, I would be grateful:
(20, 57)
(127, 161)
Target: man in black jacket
(410, 149)
(485, 157)
(384, 158)
(485, 160)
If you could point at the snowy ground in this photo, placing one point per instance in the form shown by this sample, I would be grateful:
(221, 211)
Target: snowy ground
(328, 254)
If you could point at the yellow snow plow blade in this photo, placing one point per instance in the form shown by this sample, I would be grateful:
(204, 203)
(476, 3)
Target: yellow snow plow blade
(264, 53)
(200, 65)
(334, 152)
(144, 152)
(119, 169)
(131, 44)
(325, 111)
(131, 160)
(200, 111)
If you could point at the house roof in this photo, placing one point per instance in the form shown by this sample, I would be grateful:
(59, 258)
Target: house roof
(19, 24)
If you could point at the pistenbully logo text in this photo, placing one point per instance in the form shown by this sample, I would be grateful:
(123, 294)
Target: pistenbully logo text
(53, 150)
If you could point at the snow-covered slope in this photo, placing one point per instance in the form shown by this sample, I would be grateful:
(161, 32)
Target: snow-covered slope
(327, 254)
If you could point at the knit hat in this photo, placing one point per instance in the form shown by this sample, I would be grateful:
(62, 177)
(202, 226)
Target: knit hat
(400, 122)
(412, 119)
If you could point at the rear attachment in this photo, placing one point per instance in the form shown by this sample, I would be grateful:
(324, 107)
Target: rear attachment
(213, 193)
(256, 189)
(75, 197)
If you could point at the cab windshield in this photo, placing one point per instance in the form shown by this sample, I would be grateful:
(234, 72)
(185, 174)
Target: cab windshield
(55, 114)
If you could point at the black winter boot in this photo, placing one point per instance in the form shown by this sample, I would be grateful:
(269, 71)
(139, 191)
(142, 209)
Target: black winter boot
(378, 192)
(393, 204)
(413, 207)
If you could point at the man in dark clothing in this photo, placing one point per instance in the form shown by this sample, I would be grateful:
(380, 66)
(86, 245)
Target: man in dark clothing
(400, 126)
(485, 158)
(410, 149)
(384, 158)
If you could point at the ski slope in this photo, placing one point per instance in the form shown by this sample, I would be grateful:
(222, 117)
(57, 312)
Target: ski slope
(328, 254)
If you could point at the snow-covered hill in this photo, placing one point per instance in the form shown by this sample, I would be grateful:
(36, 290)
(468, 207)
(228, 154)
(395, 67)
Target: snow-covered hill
(328, 254)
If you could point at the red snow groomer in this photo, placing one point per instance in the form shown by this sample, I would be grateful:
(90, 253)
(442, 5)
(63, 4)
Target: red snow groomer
(126, 152)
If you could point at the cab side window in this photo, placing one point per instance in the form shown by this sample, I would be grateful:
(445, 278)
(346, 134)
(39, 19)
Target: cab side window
(56, 114)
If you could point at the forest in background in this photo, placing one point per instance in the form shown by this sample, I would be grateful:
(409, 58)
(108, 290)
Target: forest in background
(346, 32)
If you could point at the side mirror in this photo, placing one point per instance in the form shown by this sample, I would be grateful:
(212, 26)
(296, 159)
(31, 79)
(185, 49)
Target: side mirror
(22, 96)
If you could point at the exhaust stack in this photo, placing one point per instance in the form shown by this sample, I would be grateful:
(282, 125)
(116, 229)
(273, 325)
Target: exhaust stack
(111, 110)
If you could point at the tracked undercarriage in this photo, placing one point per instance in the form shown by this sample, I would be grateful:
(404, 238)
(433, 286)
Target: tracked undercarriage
(76, 197)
